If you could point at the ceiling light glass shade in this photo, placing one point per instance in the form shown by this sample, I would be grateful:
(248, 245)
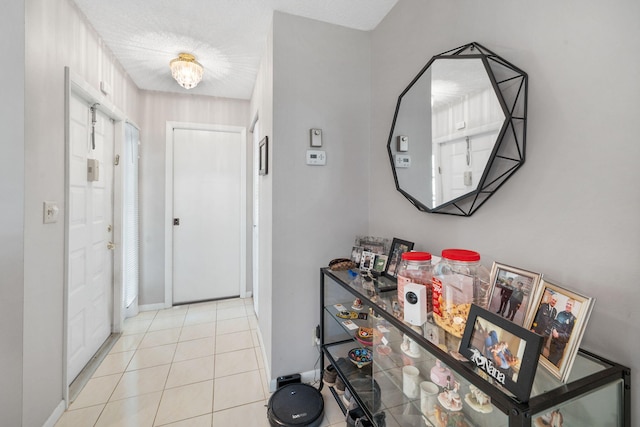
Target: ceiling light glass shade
(186, 70)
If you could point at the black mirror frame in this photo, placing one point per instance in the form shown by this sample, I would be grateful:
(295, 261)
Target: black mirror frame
(508, 154)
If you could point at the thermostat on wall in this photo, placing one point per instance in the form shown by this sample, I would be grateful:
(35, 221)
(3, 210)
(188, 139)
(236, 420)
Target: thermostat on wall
(316, 157)
(403, 160)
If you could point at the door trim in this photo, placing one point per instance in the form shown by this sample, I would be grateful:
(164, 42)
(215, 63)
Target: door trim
(75, 85)
(168, 230)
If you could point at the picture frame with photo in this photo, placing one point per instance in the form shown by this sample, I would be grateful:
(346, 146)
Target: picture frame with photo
(398, 247)
(504, 351)
(356, 254)
(559, 315)
(366, 261)
(511, 292)
(377, 245)
(380, 263)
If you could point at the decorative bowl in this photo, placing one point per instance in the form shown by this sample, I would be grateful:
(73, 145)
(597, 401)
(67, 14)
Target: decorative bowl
(360, 356)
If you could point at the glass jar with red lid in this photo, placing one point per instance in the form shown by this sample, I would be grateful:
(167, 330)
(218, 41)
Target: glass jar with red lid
(415, 267)
(459, 280)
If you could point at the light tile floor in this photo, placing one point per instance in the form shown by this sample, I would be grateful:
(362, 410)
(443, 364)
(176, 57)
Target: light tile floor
(189, 366)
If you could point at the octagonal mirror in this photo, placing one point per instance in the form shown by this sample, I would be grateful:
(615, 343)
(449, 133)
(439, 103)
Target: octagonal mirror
(458, 132)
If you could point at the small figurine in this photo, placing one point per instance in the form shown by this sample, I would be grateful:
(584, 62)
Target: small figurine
(396, 309)
(551, 419)
(450, 398)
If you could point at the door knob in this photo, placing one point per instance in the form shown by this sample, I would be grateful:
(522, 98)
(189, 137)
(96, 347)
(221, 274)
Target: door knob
(111, 246)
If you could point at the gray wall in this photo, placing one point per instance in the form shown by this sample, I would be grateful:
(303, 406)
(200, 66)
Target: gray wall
(321, 79)
(571, 211)
(12, 202)
(262, 108)
(56, 35)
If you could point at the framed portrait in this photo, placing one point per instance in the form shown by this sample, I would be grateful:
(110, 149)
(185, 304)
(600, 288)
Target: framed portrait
(511, 292)
(366, 260)
(356, 254)
(380, 263)
(398, 247)
(559, 316)
(378, 245)
(506, 352)
(263, 153)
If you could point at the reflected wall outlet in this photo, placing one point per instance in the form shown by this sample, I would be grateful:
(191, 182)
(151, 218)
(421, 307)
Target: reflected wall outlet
(468, 178)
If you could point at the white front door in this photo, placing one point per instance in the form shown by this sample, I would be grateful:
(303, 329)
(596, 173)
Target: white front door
(90, 231)
(207, 207)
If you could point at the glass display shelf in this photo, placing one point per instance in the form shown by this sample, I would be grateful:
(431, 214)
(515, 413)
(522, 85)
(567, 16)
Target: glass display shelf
(412, 381)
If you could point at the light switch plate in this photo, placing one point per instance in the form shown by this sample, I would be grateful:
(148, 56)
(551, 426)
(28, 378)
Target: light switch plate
(403, 143)
(316, 157)
(316, 137)
(50, 212)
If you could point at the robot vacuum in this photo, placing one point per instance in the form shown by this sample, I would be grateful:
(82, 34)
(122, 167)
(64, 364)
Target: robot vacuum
(295, 405)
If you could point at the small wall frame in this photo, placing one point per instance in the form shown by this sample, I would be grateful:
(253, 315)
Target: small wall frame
(263, 156)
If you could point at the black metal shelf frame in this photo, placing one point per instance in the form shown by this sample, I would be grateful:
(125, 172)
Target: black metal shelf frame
(519, 413)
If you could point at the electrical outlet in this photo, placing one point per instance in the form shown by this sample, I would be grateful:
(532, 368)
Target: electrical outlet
(316, 336)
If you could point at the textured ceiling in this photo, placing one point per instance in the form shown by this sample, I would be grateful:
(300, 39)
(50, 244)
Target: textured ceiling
(227, 36)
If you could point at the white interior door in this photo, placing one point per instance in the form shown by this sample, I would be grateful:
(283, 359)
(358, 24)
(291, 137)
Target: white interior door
(90, 230)
(207, 207)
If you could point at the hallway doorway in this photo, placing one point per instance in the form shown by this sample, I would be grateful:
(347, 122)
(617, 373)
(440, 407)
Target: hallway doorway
(206, 199)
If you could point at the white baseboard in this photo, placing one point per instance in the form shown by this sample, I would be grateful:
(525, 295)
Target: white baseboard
(55, 415)
(151, 307)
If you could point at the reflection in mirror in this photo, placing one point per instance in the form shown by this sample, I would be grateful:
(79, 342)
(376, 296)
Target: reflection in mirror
(447, 130)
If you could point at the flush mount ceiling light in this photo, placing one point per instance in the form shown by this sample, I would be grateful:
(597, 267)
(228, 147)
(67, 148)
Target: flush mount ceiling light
(186, 70)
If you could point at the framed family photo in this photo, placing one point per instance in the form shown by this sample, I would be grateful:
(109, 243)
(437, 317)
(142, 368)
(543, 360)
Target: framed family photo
(356, 254)
(505, 351)
(511, 292)
(560, 316)
(380, 263)
(366, 260)
(398, 247)
(377, 245)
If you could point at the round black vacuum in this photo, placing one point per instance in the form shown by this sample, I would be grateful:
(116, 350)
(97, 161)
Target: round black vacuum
(295, 405)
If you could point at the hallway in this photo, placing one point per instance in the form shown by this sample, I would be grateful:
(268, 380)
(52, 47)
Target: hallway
(195, 365)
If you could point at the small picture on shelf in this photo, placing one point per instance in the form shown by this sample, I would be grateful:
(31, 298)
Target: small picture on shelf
(379, 263)
(559, 317)
(366, 261)
(356, 254)
(511, 292)
(505, 351)
(377, 245)
(398, 247)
